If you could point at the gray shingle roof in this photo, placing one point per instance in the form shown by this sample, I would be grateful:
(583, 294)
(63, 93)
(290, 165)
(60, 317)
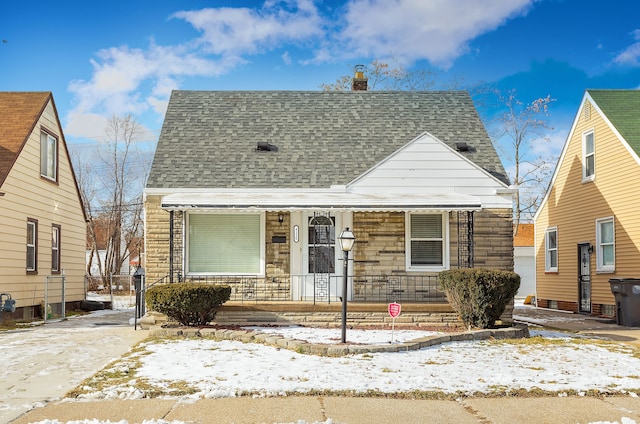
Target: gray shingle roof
(209, 138)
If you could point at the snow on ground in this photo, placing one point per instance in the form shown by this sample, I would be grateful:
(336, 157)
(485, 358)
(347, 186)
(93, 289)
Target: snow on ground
(334, 335)
(230, 368)
(552, 361)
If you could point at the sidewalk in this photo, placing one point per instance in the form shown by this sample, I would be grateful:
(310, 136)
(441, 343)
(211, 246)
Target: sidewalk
(315, 409)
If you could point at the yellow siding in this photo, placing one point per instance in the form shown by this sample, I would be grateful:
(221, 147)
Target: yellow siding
(27, 195)
(574, 206)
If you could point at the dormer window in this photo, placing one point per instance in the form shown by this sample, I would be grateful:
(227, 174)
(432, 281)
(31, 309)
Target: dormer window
(588, 156)
(48, 156)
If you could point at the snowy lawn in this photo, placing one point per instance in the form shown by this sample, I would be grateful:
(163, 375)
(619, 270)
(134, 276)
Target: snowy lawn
(549, 363)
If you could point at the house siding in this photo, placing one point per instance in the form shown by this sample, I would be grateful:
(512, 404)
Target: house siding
(573, 207)
(427, 165)
(27, 195)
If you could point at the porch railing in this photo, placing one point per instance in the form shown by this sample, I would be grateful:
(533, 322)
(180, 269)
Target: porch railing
(324, 288)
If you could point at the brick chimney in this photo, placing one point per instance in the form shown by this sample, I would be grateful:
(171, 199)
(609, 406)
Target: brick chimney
(359, 81)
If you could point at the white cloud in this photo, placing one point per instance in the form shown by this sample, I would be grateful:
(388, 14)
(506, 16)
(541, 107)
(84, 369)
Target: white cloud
(139, 80)
(119, 73)
(630, 55)
(85, 125)
(126, 80)
(286, 58)
(237, 31)
(437, 30)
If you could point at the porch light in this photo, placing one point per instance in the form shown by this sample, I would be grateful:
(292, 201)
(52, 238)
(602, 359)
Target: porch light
(347, 239)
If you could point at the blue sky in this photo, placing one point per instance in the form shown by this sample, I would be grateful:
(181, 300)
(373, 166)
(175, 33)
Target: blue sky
(119, 57)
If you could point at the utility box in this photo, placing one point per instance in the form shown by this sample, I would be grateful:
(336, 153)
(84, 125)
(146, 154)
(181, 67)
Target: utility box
(627, 294)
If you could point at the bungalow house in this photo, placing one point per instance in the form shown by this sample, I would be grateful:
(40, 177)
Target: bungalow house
(42, 236)
(252, 188)
(588, 225)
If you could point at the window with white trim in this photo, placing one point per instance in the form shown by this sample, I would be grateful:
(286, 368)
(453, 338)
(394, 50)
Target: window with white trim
(551, 249)
(55, 249)
(588, 156)
(226, 244)
(32, 246)
(48, 156)
(427, 244)
(606, 245)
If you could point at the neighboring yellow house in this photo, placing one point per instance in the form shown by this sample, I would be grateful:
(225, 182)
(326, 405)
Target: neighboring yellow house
(588, 226)
(42, 230)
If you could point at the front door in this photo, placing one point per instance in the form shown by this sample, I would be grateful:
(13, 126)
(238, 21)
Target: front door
(320, 257)
(584, 277)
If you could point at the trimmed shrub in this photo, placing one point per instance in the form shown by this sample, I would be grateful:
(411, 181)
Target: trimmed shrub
(190, 304)
(479, 295)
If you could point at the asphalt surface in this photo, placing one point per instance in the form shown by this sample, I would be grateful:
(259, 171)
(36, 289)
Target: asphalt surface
(34, 394)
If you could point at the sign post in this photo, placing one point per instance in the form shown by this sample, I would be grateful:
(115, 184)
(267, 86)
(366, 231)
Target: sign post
(394, 311)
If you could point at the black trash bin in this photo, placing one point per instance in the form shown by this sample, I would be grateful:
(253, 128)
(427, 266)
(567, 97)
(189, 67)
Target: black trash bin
(627, 294)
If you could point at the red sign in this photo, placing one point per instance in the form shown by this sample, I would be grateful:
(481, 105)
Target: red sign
(394, 309)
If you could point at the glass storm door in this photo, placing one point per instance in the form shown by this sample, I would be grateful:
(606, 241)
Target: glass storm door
(584, 277)
(320, 256)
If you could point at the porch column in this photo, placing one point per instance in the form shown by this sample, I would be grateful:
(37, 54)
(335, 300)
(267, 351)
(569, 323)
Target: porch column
(171, 246)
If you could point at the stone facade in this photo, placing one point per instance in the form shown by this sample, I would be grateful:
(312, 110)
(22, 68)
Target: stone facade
(380, 244)
(379, 249)
(156, 240)
(278, 245)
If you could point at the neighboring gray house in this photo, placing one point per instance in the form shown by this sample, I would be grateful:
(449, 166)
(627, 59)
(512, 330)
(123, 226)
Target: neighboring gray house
(252, 188)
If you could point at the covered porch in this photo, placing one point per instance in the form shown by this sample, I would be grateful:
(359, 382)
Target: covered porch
(402, 243)
(324, 288)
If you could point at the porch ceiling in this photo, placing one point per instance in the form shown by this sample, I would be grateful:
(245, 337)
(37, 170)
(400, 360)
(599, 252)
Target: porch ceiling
(325, 200)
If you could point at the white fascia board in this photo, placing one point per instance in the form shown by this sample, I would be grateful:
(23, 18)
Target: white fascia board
(272, 200)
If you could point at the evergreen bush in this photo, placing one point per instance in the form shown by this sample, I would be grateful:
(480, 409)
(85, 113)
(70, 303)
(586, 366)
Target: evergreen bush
(190, 304)
(479, 295)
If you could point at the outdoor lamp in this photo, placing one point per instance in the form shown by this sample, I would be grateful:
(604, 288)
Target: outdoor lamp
(347, 239)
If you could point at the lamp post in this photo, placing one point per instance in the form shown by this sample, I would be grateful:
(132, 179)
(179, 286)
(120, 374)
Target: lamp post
(347, 239)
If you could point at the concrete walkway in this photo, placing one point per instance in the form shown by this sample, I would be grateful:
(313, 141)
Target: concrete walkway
(42, 363)
(587, 325)
(311, 409)
(314, 409)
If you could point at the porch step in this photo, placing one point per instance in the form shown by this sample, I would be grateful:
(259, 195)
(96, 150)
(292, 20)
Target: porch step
(331, 315)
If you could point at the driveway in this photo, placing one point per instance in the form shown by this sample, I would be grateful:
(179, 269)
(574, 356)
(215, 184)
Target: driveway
(42, 363)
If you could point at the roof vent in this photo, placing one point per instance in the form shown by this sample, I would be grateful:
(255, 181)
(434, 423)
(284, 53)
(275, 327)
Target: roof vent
(461, 146)
(263, 146)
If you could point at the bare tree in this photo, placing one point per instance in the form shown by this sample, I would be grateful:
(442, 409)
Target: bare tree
(381, 76)
(111, 181)
(519, 130)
